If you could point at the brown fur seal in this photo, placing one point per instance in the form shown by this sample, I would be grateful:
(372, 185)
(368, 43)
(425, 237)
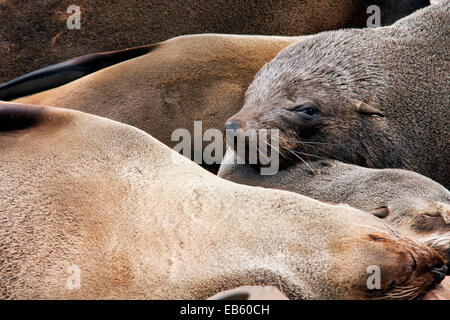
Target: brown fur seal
(414, 204)
(374, 97)
(188, 78)
(34, 33)
(91, 208)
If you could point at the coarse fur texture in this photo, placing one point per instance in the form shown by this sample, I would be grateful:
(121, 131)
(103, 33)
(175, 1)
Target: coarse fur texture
(138, 220)
(416, 205)
(33, 33)
(373, 97)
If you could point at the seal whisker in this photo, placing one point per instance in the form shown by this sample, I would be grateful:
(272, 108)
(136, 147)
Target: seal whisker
(310, 142)
(308, 154)
(403, 288)
(403, 292)
(409, 294)
(276, 149)
(418, 293)
(301, 159)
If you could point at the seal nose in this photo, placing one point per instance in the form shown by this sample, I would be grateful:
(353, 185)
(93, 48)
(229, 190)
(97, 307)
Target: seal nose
(231, 131)
(439, 273)
(232, 125)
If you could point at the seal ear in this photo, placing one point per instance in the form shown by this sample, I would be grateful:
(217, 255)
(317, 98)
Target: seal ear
(14, 116)
(367, 109)
(444, 210)
(381, 212)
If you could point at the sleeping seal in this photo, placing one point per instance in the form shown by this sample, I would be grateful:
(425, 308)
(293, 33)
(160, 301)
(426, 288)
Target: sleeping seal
(414, 204)
(181, 80)
(94, 209)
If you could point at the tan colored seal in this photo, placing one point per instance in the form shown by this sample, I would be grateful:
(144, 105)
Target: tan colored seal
(376, 98)
(414, 204)
(199, 77)
(91, 208)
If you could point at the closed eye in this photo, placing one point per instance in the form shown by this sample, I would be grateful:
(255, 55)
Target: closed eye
(307, 111)
(433, 215)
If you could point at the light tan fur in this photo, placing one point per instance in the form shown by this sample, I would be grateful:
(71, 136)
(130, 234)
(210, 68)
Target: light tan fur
(141, 221)
(416, 205)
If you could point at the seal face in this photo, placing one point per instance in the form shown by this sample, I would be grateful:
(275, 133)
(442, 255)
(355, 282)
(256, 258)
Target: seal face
(313, 127)
(323, 103)
(338, 95)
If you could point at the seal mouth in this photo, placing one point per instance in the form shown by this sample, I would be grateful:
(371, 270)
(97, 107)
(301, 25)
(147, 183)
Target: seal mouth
(259, 150)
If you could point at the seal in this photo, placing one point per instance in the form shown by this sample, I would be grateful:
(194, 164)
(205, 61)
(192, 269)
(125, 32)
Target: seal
(67, 71)
(416, 205)
(87, 210)
(372, 97)
(34, 35)
(181, 80)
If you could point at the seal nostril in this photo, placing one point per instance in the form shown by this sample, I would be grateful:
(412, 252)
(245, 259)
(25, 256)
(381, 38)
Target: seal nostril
(231, 131)
(232, 125)
(439, 273)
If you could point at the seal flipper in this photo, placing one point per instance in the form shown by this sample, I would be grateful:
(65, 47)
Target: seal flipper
(17, 118)
(59, 74)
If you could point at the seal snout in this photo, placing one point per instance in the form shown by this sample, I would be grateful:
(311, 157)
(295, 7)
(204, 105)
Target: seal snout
(439, 273)
(232, 128)
(411, 270)
(233, 125)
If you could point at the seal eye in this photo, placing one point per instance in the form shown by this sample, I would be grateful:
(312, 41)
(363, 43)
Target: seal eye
(307, 111)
